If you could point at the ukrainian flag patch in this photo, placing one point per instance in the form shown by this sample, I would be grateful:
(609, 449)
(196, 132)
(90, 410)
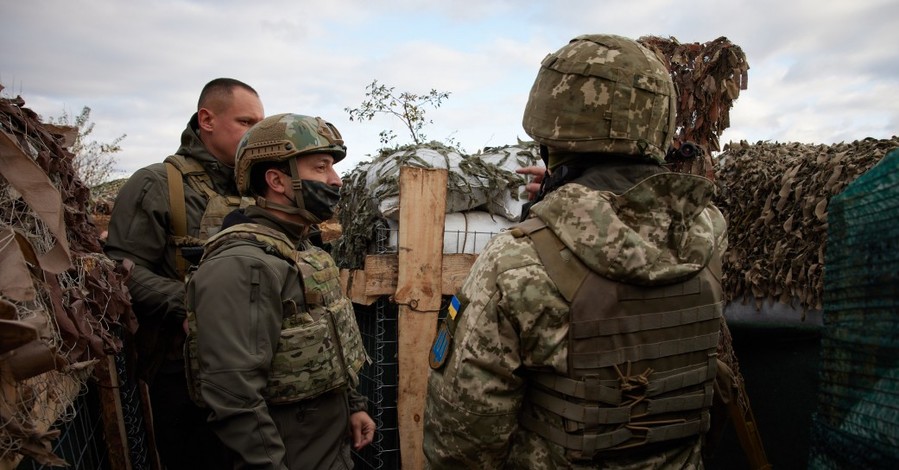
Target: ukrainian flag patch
(453, 307)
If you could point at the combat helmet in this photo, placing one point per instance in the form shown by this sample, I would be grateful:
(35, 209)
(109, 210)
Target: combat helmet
(602, 94)
(282, 137)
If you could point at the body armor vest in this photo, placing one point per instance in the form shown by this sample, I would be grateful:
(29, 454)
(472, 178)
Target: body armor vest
(641, 359)
(320, 347)
(186, 246)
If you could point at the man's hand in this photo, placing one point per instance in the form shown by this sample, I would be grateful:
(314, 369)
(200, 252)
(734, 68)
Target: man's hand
(533, 187)
(363, 429)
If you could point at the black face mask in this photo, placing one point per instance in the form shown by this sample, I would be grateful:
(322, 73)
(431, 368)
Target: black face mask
(320, 198)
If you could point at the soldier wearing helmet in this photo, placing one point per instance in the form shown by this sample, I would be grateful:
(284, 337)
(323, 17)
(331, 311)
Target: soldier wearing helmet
(586, 335)
(273, 349)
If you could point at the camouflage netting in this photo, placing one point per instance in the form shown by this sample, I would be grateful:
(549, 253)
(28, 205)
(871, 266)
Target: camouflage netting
(485, 181)
(102, 199)
(60, 297)
(775, 197)
(708, 78)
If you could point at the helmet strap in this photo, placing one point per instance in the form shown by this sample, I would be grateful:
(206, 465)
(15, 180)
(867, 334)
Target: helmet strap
(298, 207)
(296, 183)
(266, 204)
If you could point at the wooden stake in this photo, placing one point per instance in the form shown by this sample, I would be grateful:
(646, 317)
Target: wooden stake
(422, 213)
(113, 417)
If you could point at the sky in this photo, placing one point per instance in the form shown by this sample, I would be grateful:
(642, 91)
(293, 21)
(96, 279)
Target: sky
(821, 71)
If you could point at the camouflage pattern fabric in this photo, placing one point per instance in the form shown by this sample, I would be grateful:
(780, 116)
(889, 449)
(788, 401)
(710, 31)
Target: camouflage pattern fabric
(515, 320)
(602, 93)
(283, 136)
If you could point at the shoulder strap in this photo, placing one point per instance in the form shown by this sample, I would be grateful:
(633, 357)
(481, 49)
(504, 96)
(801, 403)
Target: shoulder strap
(177, 211)
(279, 243)
(195, 173)
(564, 268)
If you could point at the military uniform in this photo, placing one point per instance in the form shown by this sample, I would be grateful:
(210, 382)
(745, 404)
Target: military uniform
(586, 335)
(277, 399)
(140, 231)
(516, 322)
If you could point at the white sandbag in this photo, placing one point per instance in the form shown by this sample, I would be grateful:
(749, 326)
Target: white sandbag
(463, 192)
(508, 201)
(464, 232)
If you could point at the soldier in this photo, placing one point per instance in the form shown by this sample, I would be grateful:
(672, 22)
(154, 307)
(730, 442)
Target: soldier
(585, 336)
(161, 215)
(273, 348)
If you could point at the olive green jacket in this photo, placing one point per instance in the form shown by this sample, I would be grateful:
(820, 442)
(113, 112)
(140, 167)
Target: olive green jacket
(244, 286)
(140, 230)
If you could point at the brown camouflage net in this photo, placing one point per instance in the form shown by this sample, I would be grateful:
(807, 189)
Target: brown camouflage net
(61, 297)
(775, 197)
(708, 78)
(102, 199)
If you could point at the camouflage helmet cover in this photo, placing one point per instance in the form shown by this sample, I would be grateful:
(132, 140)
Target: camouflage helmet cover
(602, 93)
(284, 136)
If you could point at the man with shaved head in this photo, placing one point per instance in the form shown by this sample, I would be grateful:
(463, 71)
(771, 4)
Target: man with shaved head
(160, 219)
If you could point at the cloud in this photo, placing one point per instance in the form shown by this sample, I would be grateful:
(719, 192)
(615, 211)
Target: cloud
(821, 72)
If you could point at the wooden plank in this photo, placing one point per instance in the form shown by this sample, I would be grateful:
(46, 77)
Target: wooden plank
(149, 426)
(381, 274)
(112, 414)
(420, 257)
(352, 281)
(455, 269)
(379, 277)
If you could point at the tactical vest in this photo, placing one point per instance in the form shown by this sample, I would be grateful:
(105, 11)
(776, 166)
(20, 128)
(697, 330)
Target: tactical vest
(218, 206)
(641, 359)
(312, 357)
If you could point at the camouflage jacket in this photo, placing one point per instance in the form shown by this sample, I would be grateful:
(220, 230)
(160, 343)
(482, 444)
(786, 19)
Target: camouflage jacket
(645, 227)
(243, 293)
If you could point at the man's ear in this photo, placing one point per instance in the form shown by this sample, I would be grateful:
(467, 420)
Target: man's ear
(277, 181)
(205, 117)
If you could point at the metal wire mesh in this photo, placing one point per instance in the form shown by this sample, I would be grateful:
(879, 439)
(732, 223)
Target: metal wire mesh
(855, 423)
(81, 441)
(379, 380)
(132, 415)
(379, 383)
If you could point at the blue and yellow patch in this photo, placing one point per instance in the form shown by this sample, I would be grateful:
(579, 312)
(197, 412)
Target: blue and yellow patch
(453, 308)
(440, 347)
(443, 341)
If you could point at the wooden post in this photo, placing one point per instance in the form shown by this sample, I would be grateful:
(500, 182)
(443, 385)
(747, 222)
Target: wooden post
(422, 214)
(113, 417)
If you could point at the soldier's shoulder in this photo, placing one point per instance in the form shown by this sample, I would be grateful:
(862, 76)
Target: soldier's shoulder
(507, 252)
(150, 174)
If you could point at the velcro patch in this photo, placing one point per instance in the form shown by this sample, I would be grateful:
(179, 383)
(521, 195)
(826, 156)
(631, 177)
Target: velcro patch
(441, 346)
